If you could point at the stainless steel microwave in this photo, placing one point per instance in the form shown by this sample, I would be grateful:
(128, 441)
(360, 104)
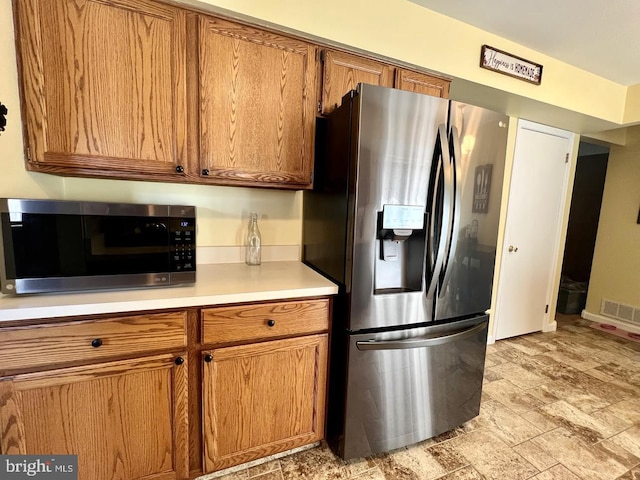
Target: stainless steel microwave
(57, 246)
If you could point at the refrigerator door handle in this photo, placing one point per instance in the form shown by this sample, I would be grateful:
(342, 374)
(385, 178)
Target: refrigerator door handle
(420, 342)
(456, 159)
(447, 207)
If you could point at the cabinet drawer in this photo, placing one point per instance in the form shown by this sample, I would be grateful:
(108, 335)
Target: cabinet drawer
(251, 322)
(38, 345)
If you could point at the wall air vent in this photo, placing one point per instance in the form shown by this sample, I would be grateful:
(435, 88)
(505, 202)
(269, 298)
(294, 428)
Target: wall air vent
(620, 311)
(625, 312)
(609, 308)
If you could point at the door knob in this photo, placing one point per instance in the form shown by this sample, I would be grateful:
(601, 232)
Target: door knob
(512, 248)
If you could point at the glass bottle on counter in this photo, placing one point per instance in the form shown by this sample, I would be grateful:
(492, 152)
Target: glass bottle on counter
(254, 242)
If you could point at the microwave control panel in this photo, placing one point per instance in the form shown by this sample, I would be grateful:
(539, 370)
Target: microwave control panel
(183, 244)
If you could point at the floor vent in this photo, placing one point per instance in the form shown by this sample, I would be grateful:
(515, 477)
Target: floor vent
(626, 313)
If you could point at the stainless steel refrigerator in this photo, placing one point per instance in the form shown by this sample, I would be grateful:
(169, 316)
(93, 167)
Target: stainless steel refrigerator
(404, 217)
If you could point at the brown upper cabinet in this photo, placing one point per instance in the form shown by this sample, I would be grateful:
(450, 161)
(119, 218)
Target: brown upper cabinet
(421, 83)
(103, 83)
(142, 90)
(341, 72)
(257, 94)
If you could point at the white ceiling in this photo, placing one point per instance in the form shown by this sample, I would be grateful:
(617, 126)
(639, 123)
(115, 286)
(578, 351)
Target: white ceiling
(599, 36)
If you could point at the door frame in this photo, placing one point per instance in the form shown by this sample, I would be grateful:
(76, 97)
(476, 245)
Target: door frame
(549, 324)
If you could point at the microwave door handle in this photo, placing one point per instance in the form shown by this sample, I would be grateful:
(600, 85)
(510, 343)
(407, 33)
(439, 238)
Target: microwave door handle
(420, 342)
(443, 146)
(454, 233)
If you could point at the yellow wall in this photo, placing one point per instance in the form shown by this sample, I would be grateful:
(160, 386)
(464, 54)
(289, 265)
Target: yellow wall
(632, 105)
(410, 33)
(615, 274)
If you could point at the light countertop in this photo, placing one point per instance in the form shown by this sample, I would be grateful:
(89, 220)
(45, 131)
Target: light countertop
(216, 284)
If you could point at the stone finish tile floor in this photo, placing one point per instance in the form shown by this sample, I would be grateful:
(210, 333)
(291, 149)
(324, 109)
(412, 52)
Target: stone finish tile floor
(563, 405)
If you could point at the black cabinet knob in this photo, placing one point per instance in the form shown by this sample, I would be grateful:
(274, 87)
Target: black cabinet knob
(96, 342)
(180, 169)
(205, 171)
(179, 361)
(208, 357)
(271, 323)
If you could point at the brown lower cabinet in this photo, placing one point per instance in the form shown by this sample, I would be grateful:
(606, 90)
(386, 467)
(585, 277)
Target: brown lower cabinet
(263, 379)
(118, 391)
(260, 399)
(124, 419)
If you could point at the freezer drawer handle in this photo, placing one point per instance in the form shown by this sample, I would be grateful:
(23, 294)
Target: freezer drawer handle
(420, 342)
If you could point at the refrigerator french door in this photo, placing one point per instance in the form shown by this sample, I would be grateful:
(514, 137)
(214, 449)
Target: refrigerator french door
(387, 221)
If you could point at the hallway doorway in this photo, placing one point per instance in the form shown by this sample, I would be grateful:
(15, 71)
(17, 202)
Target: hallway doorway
(582, 228)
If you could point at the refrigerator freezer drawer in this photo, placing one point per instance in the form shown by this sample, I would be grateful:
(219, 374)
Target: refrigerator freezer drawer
(406, 386)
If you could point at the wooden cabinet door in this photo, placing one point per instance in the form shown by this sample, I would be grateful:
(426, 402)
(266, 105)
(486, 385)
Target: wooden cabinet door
(257, 94)
(341, 72)
(263, 398)
(421, 83)
(103, 86)
(125, 420)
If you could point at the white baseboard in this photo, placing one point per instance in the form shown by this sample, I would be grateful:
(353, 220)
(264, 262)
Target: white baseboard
(594, 317)
(550, 327)
(491, 340)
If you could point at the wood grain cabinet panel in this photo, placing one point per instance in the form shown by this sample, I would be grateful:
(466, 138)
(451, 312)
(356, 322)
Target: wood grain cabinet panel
(90, 340)
(260, 321)
(256, 106)
(104, 86)
(343, 71)
(421, 83)
(124, 420)
(264, 398)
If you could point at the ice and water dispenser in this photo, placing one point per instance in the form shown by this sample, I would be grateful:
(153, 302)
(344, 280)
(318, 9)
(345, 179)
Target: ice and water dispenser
(400, 245)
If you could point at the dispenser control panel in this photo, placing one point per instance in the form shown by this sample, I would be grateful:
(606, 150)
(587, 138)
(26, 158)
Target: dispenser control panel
(403, 217)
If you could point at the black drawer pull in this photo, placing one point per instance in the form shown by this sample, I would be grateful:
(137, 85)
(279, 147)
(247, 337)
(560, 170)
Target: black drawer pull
(271, 323)
(179, 361)
(208, 357)
(96, 342)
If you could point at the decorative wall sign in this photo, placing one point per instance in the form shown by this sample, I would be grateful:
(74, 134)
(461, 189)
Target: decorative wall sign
(481, 187)
(503, 62)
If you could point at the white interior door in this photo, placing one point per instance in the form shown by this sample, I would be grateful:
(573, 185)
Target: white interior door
(535, 210)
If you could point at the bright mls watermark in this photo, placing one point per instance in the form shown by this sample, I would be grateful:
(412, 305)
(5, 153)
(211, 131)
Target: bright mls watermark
(39, 467)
